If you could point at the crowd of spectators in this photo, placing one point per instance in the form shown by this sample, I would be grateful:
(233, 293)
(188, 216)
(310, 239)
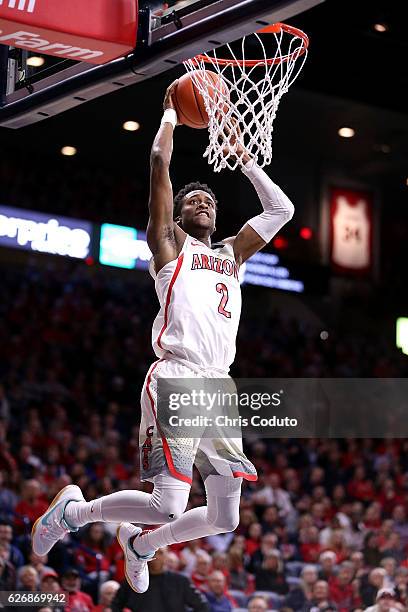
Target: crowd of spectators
(323, 528)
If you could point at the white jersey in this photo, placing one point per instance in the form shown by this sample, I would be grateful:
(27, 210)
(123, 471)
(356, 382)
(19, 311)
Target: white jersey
(200, 306)
(351, 228)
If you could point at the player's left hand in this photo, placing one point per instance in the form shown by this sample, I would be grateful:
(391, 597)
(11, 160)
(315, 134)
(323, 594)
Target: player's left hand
(168, 101)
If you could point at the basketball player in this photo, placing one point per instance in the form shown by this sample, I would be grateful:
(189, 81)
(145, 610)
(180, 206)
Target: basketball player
(193, 336)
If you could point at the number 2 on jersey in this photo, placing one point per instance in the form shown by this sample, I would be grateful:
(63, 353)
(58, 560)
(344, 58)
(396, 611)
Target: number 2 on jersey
(221, 288)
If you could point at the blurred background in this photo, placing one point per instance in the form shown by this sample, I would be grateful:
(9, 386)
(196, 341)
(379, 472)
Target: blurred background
(325, 525)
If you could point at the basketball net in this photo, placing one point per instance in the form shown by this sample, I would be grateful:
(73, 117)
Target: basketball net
(242, 103)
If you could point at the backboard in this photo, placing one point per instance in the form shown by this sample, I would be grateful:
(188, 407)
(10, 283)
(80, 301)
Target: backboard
(168, 34)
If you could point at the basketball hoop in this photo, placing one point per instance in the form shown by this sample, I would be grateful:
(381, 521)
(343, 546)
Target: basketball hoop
(247, 100)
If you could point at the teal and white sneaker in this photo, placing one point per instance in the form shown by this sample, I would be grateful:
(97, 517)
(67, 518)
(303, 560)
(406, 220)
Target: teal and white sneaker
(51, 526)
(136, 571)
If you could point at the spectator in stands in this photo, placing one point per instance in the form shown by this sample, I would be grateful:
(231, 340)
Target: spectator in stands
(401, 585)
(300, 596)
(50, 582)
(31, 505)
(390, 566)
(202, 569)
(371, 552)
(257, 604)
(384, 602)
(107, 592)
(168, 592)
(371, 584)
(39, 563)
(8, 499)
(327, 562)
(238, 576)
(254, 538)
(269, 542)
(320, 598)
(7, 571)
(71, 583)
(216, 594)
(273, 494)
(93, 558)
(400, 524)
(357, 559)
(171, 561)
(11, 552)
(271, 576)
(27, 578)
(271, 521)
(310, 547)
(220, 562)
(188, 556)
(392, 547)
(361, 487)
(342, 589)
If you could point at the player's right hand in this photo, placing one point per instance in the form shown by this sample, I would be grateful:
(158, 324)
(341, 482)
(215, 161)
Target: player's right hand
(169, 97)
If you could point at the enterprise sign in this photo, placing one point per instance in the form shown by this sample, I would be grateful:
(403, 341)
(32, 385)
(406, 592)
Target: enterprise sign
(126, 247)
(33, 231)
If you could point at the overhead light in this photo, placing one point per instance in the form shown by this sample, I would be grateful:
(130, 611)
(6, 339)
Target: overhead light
(324, 335)
(35, 61)
(406, 181)
(131, 126)
(380, 27)
(68, 151)
(346, 132)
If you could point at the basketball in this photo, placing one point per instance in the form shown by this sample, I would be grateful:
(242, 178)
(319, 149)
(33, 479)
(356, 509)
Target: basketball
(189, 102)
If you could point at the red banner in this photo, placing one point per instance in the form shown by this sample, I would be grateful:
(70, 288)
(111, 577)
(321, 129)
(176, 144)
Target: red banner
(351, 218)
(95, 31)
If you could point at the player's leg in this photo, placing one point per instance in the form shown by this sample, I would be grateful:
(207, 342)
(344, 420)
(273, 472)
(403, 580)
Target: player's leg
(69, 510)
(220, 515)
(166, 503)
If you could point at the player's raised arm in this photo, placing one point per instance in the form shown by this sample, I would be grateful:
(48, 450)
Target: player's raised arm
(278, 209)
(161, 230)
(260, 230)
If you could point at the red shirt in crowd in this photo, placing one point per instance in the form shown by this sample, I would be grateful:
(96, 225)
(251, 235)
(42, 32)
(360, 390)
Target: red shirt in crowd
(310, 552)
(30, 510)
(343, 596)
(79, 602)
(362, 490)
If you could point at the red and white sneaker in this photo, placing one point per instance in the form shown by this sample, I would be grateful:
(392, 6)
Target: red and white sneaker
(136, 571)
(51, 526)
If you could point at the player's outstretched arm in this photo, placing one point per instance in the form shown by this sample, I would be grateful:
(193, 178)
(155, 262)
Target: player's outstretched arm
(260, 230)
(163, 235)
(278, 209)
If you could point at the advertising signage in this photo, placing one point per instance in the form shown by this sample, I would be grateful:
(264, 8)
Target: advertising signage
(45, 233)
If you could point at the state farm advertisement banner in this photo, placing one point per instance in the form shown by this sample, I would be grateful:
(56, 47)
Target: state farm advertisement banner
(95, 31)
(351, 220)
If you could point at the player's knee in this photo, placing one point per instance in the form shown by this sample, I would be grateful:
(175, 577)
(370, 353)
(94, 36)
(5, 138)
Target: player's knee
(225, 522)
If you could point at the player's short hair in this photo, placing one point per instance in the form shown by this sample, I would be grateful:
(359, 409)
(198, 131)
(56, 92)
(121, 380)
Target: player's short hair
(178, 200)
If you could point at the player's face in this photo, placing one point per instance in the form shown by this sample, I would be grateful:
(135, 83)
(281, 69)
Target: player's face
(198, 213)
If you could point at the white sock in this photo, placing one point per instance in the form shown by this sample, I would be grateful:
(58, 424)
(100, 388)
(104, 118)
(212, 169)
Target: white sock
(167, 502)
(219, 516)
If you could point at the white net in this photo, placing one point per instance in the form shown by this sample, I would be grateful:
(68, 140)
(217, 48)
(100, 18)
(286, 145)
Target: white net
(242, 97)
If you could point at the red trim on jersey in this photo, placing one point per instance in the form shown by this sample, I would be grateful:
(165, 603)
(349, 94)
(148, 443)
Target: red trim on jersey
(168, 297)
(166, 448)
(245, 476)
(170, 464)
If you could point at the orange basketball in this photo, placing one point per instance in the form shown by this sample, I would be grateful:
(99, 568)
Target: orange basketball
(190, 103)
